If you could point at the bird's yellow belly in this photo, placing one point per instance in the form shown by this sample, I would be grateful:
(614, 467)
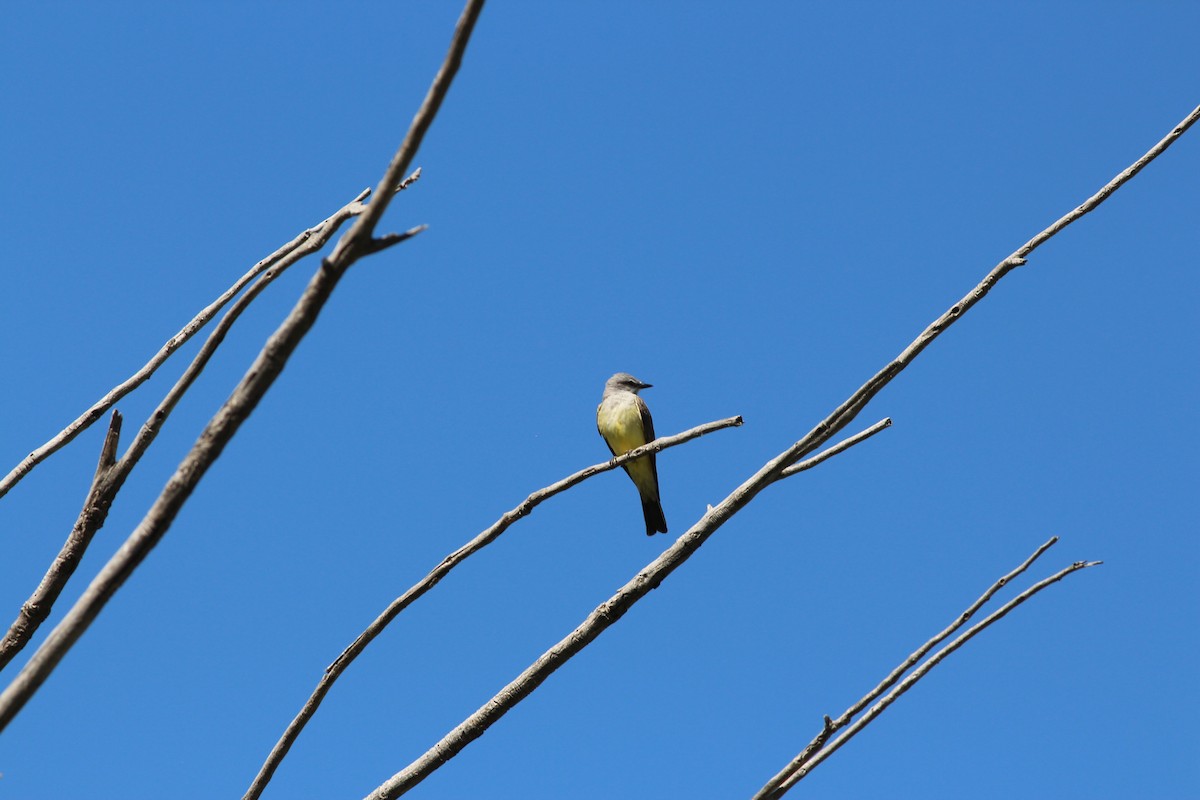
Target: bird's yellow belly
(621, 424)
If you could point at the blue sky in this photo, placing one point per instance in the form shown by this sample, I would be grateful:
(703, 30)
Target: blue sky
(754, 209)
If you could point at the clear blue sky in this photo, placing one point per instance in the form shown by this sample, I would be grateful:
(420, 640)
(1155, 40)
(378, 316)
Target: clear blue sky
(752, 208)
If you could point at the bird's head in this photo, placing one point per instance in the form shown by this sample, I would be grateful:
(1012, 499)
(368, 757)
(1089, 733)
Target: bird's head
(624, 382)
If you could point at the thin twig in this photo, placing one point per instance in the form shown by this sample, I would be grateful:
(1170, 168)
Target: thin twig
(489, 535)
(103, 492)
(323, 231)
(360, 234)
(653, 574)
(780, 784)
(830, 452)
(241, 403)
(387, 240)
(920, 652)
(850, 408)
(105, 486)
(312, 240)
(34, 611)
(1016, 259)
(561, 653)
(832, 726)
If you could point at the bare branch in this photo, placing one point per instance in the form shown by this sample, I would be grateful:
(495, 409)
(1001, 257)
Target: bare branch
(831, 727)
(808, 759)
(855, 403)
(830, 452)
(389, 239)
(241, 403)
(313, 238)
(409, 181)
(597, 621)
(361, 233)
(1099, 197)
(920, 652)
(310, 240)
(102, 494)
(36, 609)
(654, 573)
(343, 661)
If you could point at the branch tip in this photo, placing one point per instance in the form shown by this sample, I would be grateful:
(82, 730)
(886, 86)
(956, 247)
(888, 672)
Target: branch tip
(389, 239)
(409, 181)
(108, 451)
(490, 534)
(841, 446)
(819, 749)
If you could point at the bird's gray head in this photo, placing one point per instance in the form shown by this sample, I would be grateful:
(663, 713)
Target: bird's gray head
(624, 382)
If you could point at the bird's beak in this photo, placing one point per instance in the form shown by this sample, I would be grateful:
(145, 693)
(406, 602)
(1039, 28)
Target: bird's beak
(645, 385)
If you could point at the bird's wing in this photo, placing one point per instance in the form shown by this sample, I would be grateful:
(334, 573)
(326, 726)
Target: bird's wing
(648, 430)
(647, 422)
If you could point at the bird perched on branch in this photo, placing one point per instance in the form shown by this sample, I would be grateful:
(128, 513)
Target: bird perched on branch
(624, 422)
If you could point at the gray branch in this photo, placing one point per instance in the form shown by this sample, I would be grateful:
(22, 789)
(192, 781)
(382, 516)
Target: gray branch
(36, 609)
(106, 486)
(845, 444)
(242, 402)
(489, 535)
(821, 748)
(653, 574)
(310, 240)
(596, 622)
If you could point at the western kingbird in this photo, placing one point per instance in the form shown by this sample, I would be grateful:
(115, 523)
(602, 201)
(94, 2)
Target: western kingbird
(624, 422)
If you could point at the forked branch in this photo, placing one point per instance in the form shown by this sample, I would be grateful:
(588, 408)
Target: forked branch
(533, 676)
(821, 748)
(241, 403)
(654, 573)
(310, 240)
(37, 608)
(489, 535)
(102, 493)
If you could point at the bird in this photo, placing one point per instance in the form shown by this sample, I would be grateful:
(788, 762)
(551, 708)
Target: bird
(624, 423)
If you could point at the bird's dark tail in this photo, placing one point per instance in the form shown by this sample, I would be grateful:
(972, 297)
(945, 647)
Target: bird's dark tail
(655, 521)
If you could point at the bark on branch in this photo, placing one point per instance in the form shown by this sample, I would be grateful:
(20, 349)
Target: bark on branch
(36, 609)
(531, 678)
(310, 240)
(489, 535)
(654, 573)
(821, 748)
(102, 493)
(242, 402)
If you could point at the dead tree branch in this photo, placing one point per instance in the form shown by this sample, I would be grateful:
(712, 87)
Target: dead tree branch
(821, 748)
(653, 574)
(309, 240)
(105, 487)
(489, 535)
(242, 402)
(845, 444)
(95, 508)
(529, 680)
